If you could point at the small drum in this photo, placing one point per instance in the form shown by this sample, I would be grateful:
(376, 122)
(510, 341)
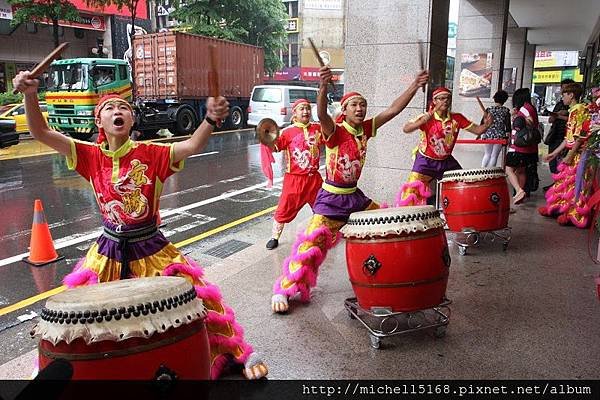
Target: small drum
(146, 328)
(397, 258)
(475, 199)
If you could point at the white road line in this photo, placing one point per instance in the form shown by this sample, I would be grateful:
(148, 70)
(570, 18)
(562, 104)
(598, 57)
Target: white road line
(204, 154)
(83, 237)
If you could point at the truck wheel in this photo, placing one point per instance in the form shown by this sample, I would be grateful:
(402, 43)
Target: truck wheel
(185, 122)
(81, 135)
(236, 118)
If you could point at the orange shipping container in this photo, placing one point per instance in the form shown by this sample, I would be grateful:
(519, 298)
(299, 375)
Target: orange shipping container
(175, 66)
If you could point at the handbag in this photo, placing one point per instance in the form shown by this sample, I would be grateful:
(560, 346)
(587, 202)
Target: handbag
(527, 136)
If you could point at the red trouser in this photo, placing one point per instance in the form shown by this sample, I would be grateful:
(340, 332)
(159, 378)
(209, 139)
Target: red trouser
(297, 191)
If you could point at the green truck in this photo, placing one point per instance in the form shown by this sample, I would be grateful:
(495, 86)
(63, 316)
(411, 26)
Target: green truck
(171, 75)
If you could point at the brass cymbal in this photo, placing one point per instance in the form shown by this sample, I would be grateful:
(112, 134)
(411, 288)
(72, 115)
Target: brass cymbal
(267, 131)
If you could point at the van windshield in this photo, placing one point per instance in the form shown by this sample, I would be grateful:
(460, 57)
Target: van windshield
(310, 95)
(267, 95)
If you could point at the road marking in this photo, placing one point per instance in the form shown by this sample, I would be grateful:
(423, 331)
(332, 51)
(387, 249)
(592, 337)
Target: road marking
(204, 154)
(34, 299)
(83, 237)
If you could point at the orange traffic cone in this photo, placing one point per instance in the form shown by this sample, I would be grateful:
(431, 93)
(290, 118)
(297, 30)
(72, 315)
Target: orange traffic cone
(41, 248)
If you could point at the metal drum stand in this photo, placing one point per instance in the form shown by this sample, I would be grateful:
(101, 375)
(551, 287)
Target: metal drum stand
(382, 322)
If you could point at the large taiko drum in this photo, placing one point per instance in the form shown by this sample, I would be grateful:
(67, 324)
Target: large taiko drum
(397, 258)
(146, 328)
(475, 199)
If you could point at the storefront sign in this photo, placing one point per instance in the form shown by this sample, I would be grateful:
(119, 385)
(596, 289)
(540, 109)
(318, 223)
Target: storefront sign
(85, 21)
(140, 12)
(545, 59)
(553, 76)
(292, 25)
(323, 4)
(5, 10)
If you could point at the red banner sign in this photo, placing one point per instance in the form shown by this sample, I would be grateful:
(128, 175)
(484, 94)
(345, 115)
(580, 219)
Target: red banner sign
(140, 12)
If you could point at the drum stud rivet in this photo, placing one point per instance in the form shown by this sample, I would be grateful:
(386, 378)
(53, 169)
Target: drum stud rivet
(118, 317)
(136, 313)
(174, 305)
(155, 303)
(79, 315)
(189, 317)
(61, 321)
(180, 302)
(146, 332)
(108, 318)
(74, 321)
(113, 311)
(163, 327)
(82, 321)
(90, 320)
(161, 308)
(153, 311)
(121, 336)
(145, 312)
(177, 321)
(140, 307)
(86, 313)
(168, 306)
(121, 310)
(94, 313)
(104, 312)
(127, 315)
(131, 309)
(99, 318)
(68, 321)
(163, 302)
(148, 306)
(60, 314)
(169, 300)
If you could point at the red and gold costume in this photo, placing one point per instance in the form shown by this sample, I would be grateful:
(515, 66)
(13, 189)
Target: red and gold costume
(339, 197)
(434, 154)
(302, 180)
(562, 201)
(127, 184)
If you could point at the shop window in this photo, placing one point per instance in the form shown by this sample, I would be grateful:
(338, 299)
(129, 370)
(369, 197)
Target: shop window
(31, 27)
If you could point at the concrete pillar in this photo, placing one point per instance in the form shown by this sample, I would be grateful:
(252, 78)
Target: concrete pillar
(382, 58)
(516, 42)
(482, 29)
(528, 61)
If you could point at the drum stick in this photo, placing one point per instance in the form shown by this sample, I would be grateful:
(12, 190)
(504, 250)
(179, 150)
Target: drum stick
(480, 104)
(41, 67)
(213, 74)
(318, 57)
(421, 59)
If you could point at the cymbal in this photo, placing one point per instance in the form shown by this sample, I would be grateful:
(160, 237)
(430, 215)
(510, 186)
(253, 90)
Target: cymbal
(267, 131)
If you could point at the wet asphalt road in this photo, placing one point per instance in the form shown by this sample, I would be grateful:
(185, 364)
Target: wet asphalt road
(222, 184)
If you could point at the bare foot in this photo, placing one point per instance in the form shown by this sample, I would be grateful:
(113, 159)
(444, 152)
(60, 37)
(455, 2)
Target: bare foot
(519, 197)
(255, 368)
(279, 303)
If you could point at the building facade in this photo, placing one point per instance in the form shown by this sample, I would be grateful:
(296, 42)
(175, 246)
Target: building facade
(23, 46)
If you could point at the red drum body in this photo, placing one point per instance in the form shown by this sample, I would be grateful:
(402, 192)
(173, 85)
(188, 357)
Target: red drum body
(141, 343)
(475, 199)
(397, 263)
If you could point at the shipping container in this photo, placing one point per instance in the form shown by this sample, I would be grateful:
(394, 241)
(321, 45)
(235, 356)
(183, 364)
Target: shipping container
(175, 66)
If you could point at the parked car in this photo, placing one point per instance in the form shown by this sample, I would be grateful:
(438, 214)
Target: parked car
(8, 136)
(16, 112)
(275, 102)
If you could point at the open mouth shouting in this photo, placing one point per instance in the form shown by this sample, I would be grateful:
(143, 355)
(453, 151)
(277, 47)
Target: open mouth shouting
(118, 122)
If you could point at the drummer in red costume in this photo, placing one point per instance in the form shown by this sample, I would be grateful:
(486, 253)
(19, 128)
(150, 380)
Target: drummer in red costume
(127, 178)
(346, 148)
(301, 142)
(439, 131)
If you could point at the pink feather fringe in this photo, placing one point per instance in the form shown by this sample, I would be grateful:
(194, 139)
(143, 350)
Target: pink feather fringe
(412, 199)
(306, 276)
(80, 276)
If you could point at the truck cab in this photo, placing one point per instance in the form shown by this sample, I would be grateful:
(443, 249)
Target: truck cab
(74, 87)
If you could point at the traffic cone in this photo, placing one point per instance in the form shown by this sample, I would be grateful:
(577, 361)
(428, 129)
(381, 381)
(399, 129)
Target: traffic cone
(41, 247)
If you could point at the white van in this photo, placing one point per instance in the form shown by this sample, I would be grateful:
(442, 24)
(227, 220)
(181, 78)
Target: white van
(275, 102)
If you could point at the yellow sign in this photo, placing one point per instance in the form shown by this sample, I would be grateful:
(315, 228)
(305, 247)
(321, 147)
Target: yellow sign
(553, 76)
(292, 25)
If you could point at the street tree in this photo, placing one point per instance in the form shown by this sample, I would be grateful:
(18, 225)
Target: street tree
(256, 22)
(44, 11)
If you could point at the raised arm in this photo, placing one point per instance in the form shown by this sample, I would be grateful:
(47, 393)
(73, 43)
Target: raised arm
(216, 109)
(327, 124)
(480, 129)
(401, 102)
(38, 127)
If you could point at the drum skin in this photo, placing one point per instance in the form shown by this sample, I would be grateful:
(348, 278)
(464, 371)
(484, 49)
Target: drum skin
(483, 205)
(182, 352)
(404, 272)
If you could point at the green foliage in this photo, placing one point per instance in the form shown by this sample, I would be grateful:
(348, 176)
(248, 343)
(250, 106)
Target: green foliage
(9, 98)
(256, 22)
(50, 10)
